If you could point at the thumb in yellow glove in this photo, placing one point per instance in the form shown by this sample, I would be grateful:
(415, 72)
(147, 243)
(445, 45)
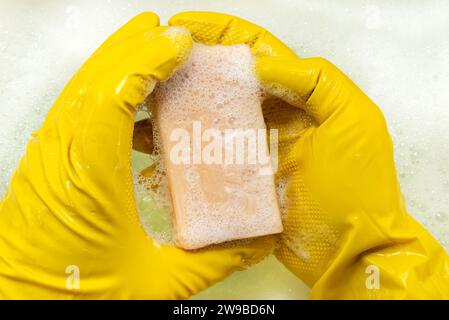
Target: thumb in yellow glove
(347, 232)
(70, 206)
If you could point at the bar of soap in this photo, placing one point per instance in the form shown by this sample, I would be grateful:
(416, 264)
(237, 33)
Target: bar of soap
(220, 187)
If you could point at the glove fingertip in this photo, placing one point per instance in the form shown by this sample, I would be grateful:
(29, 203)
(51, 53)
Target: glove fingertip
(181, 43)
(145, 20)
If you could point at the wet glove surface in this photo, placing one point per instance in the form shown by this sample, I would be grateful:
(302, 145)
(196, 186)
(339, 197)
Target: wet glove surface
(347, 232)
(71, 205)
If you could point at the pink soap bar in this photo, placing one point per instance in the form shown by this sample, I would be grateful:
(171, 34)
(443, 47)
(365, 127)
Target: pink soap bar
(219, 192)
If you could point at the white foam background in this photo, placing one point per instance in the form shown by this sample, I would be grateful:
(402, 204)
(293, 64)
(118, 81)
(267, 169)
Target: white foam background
(396, 51)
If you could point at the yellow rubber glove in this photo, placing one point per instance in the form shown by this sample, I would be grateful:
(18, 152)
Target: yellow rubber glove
(70, 207)
(346, 224)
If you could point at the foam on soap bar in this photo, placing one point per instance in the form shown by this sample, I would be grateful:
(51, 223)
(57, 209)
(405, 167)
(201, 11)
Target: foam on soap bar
(218, 191)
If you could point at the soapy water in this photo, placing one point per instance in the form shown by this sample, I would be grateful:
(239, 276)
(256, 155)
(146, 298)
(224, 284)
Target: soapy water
(151, 188)
(397, 52)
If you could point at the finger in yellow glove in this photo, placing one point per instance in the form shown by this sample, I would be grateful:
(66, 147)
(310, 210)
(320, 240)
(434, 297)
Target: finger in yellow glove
(347, 232)
(70, 207)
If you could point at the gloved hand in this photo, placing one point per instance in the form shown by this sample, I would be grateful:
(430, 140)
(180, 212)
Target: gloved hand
(347, 232)
(70, 208)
